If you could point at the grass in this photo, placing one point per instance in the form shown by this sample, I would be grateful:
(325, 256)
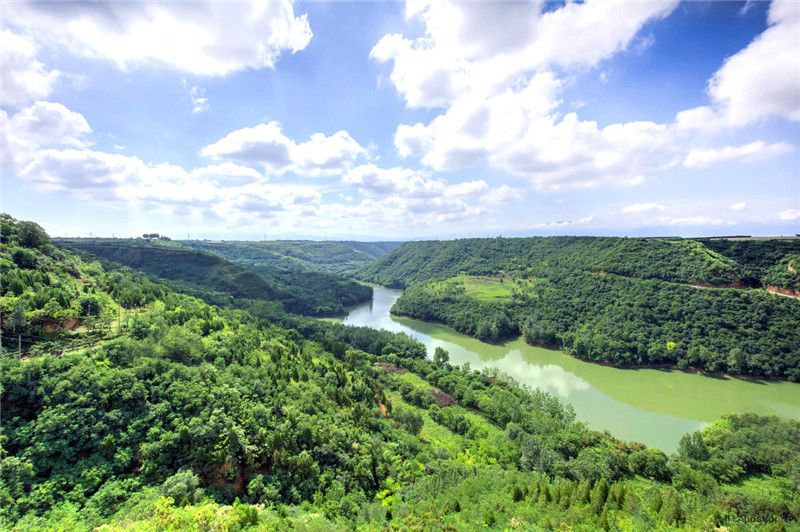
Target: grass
(438, 436)
(414, 380)
(484, 288)
(479, 288)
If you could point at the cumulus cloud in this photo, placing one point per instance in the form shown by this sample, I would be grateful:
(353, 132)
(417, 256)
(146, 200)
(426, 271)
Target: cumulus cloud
(752, 152)
(412, 197)
(204, 38)
(490, 66)
(25, 78)
(694, 221)
(759, 82)
(503, 194)
(643, 207)
(763, 80)
(54, 156)
(41, 124)
(47, 123)
(740, 206)
(197, 97)
(266, 145)
(486, 46)
(790, 215)
(225, 191)
(375, 181)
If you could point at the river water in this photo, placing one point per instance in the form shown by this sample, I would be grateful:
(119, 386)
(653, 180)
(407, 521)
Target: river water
(652, 406)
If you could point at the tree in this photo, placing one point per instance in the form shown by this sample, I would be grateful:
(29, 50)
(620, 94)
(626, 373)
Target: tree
(31, 235)
(19, 320)
(651, 463)
(183, 487)
(693, 447)
(441, 356)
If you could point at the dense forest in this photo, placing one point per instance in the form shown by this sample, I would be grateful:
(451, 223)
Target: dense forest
(772, 261)
(682, 261)
(296, 255)
(311, 293)
(131, 405)
(629, 302)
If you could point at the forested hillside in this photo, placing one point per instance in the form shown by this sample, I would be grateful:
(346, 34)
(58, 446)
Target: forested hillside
(684, 261)
(140, 408)
(311, 293)
(630, 302)
(297, 255)
(774, 262)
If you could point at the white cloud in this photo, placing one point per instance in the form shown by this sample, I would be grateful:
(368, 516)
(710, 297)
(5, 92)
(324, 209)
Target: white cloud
(563, 223)
(224, 191)
(643, 207)
(759, 82)
(752, 152)
(25, 78)
(372, 180)
(738, 206)
(234, 196)
(41, 124)
(702, 118)
(204, 38)
(503, 194)
(47, 123)
(694, 221)
(197, 96)
(790, 214)
(265, 144)
(491, 67)
(480, 46)
(763, 80)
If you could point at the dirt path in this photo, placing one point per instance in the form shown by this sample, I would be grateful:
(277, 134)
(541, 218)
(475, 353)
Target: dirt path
(777, 291)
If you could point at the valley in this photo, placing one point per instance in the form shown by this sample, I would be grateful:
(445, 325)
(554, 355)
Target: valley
(148, 385)
(652, 406)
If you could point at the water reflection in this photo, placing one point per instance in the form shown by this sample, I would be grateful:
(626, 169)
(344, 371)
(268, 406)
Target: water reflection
(654, 407)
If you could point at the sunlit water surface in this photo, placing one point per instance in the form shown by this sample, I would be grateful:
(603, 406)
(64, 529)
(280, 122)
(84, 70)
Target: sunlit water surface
(652, 406)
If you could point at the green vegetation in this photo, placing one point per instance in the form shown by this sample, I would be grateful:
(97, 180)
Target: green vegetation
(297, 255)
(601, 307)
(763, 261)
(159, 411)
(311, 293)
(785, 274)
(683, 261)
(479, 288)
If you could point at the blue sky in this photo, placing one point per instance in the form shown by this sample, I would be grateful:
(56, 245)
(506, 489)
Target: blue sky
(396, 121)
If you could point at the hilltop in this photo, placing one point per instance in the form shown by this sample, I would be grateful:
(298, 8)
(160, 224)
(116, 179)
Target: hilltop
(341, 257)
(624, 301)
(310, 293)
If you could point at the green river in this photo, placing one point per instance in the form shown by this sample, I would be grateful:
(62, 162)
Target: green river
(652, 406)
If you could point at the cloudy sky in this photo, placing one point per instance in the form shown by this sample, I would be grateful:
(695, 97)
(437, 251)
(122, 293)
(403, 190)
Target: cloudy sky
(397, 121)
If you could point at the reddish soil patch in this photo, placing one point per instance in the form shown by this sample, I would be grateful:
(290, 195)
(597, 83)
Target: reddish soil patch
(64, 325)
(443, 399)
(390, 368)
(220, 475)
(382, 407)
(782, 291)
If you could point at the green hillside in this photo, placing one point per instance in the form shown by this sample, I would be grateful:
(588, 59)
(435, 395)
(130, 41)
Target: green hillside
(311, 293)
(135, 407)
(683, 261)
(297, 255)
(629, 302)
(772, 262)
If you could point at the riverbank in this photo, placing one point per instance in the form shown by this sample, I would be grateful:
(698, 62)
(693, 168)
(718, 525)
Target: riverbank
(651, 405)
